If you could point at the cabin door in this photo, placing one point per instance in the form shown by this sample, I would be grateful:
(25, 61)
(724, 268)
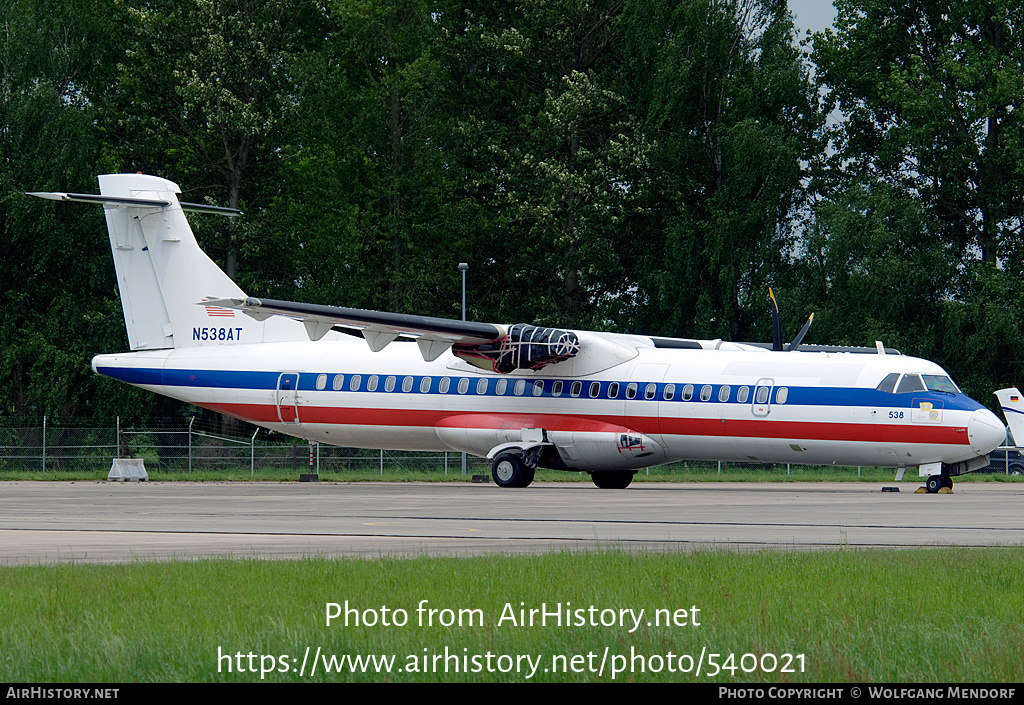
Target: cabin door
(761, 400)
(288, 397)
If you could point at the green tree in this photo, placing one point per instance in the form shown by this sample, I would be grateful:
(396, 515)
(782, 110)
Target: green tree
(200, 86)
(57, 293)
(932, 93)
(551, 149)
(729, 102)
(928, 157)
(362, 194)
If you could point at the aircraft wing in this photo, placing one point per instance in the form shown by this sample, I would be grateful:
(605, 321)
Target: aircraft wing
(378, 328)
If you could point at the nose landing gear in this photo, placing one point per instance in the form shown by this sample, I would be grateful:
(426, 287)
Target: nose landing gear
(935, 483)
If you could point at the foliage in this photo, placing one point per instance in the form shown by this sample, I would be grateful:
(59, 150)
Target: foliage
(643, 167)
(933, 94)
(732, 109)
(928, 164)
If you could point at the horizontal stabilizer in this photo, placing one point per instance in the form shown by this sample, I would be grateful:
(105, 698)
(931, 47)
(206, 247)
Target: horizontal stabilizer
(132, 201)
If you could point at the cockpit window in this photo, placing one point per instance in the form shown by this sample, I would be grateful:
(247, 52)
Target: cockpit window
(939, 383)
(910, 383)
(888, 384)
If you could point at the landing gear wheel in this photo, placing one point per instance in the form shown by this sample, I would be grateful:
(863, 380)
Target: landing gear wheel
(947, 482)
(509, 470)
(613, 480)
(936, 482)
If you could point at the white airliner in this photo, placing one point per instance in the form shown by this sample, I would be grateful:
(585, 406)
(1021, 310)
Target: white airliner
(521, 395)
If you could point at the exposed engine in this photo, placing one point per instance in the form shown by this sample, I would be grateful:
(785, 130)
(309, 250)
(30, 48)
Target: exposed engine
(525, 347)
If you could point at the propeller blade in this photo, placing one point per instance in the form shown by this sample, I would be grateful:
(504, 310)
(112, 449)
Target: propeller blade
(776, 325)
(795, 345)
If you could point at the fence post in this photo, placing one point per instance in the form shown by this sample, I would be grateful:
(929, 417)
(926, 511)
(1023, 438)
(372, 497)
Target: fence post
(117, 436)
(44, 442)
(252, 453)
(191, 420)
(382, 462)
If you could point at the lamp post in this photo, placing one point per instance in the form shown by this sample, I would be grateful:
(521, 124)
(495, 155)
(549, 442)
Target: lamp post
(463, 267)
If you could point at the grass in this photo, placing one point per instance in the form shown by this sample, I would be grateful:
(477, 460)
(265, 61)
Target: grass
(942, 615)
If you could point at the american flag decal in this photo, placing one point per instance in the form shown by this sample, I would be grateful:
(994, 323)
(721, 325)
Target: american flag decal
(218, 311)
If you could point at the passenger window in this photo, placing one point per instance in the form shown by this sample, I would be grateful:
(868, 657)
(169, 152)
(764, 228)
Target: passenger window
(354, 382)
(688, 392)
(888, 384)
(425, 385)
(670, 391)
(742, 394)
(463, 385)
(613, 390)
(538, 387)
(761, 395)
(631, 390)
(371, 384)
(446, 383)
(650, 391)
(705, 392)
(500, 388)
(595, 389)
(556, 388)
(910, 383)
(723, 392)
(481, 386)
(339, 382)
(389, 384)
(407, 384)
(782, 395)
(321, 381)
(575, 389)
(520, 387)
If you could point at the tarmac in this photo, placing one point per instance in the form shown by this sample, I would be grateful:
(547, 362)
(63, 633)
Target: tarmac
(106, 522)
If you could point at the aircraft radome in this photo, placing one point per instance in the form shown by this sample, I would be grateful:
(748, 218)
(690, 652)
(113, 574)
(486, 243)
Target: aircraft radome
(523, 396)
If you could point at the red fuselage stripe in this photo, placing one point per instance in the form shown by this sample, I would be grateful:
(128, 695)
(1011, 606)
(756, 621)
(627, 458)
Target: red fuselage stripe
(728, 428)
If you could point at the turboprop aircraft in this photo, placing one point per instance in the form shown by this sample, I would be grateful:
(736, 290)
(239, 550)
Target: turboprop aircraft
(523, 396)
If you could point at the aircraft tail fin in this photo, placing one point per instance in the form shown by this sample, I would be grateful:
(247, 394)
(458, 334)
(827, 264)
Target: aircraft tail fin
(163, 276)
(1012, 403)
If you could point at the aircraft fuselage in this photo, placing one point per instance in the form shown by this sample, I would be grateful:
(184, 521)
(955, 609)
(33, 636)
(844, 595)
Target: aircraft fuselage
(659, 406)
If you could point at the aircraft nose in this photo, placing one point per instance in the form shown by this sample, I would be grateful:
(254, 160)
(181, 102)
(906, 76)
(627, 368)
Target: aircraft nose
(985, 431)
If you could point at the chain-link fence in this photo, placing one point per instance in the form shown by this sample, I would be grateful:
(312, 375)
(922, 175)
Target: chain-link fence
(195, 444)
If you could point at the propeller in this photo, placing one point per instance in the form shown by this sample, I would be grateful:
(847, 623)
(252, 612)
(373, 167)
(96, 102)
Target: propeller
(777, 328)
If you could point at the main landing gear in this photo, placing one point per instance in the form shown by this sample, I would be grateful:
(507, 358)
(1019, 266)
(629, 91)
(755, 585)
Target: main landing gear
(510, 470)
(516, 469)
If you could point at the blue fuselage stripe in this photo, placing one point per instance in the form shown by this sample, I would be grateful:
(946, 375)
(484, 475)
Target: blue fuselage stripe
(268, 381)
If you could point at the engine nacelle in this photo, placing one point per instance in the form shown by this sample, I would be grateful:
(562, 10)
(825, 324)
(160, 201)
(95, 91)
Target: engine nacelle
(613, 449)
(595, 446)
